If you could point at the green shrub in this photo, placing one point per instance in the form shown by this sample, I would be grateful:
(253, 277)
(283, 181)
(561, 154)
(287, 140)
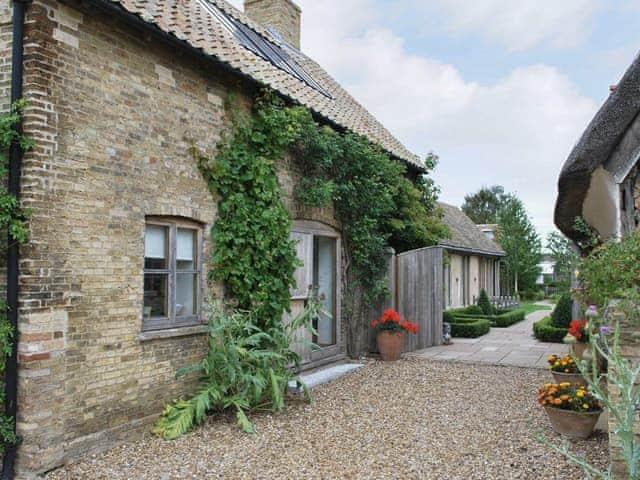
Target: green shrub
(509, 318)
(484, 303)
(561, 316)
(544, 331)
(470, 328)
(246, 368)
(449, 315)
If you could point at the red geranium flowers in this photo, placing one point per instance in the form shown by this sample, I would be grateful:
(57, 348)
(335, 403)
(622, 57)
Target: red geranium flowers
(391, 321)
(577, 328)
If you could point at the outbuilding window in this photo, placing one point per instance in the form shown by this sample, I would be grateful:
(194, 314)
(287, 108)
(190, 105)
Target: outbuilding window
(172, 274)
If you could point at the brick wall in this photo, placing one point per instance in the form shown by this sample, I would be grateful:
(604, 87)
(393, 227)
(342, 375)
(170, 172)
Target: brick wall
(114, 113)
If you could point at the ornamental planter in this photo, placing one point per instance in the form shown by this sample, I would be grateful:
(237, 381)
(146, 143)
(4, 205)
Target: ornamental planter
(579, 349)
(573, 378)
(578, 425)
(390, 344)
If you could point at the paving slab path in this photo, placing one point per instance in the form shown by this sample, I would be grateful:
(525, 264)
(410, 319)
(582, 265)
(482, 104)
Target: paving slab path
(513, 346)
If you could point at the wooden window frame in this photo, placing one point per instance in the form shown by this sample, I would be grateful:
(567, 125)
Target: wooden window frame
(172, 321)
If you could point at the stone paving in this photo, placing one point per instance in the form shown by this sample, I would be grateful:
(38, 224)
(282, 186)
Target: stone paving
(513, 346)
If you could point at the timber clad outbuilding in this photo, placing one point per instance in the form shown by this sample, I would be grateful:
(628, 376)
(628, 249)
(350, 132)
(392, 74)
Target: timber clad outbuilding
(113, 281)
(472, 263)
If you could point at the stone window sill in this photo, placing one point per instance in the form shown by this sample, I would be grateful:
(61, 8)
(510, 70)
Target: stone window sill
(172, 333)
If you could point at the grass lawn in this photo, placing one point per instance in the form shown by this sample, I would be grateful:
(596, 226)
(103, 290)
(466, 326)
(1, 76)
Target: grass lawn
(533, 307)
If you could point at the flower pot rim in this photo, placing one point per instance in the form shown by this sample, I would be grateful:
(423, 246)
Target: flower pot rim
(593, 412)
(565, 373)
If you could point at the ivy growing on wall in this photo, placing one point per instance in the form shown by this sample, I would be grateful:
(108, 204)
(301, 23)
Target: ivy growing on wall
(13, 224)
(253, 253)
(375, 201)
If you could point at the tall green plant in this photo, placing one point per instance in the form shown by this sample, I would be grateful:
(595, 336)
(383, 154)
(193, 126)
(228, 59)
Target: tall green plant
(520, 241)
(562, 315)
(484, 303)
(246, 368)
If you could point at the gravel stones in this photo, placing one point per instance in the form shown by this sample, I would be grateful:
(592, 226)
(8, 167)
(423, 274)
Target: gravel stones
(412, 419)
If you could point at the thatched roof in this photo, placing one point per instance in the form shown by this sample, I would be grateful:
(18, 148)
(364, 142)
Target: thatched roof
(595, 147)
(465, 235)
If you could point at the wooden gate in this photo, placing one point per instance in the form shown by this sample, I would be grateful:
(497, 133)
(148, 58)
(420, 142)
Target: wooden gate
(419, 295)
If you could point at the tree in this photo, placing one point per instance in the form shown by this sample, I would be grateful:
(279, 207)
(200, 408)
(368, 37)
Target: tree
(484, 303)
(563, 254)
(520, 241)
(562, 314)
(484, 206)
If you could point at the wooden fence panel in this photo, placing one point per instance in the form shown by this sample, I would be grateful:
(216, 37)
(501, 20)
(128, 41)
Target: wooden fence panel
(419, 295)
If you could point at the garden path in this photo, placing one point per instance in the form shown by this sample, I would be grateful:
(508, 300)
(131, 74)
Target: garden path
(513, 346)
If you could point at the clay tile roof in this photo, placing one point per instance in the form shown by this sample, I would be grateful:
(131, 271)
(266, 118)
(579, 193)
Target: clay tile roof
(465, 235)
(195, 23)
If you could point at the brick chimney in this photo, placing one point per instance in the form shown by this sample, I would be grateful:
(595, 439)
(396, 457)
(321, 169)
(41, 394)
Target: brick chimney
(283, 15)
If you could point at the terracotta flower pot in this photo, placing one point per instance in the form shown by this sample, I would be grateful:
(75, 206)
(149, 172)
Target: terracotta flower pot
(573, 378)
(390, 344)
(572, 424)
(579, 349)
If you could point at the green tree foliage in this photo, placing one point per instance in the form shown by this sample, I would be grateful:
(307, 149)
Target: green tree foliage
(484, 303)
(610, 270)
(520, 241)
(484, 205)
(561, 315)
(564, 256)
(246, 368)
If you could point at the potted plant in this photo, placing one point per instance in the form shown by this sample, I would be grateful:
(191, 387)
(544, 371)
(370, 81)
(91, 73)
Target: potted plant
(578, 337)
(572, 410)
(390, 330)
(564, 369)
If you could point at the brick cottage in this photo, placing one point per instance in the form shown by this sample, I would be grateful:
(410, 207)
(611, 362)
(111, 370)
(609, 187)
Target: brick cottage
(112, 282)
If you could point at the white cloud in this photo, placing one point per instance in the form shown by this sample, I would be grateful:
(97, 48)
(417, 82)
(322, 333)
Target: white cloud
(516, 132)
(521, 24)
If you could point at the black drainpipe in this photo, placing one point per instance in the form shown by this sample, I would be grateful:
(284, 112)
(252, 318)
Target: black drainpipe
(15, 159)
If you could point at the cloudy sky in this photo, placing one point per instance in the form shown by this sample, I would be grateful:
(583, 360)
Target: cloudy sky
(499, 89)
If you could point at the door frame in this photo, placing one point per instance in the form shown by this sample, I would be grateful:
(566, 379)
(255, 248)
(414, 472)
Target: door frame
(314, 228)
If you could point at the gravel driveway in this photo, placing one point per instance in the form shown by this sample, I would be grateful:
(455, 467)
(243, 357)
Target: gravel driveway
(412, 419)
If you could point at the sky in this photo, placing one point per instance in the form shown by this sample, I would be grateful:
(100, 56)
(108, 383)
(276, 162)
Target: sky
(500, 90)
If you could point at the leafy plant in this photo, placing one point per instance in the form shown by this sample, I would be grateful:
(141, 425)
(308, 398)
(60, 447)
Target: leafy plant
(544, 331)
(623, 400)
(610, 270)
(254, 254)
(484, 303)
(246, 368)
(562, 314)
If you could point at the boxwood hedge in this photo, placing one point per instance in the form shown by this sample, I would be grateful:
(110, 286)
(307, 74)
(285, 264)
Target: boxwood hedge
(544, 331)
(470, 328)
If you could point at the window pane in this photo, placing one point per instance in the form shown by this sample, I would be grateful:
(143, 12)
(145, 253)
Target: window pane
(186, 247)
(155, 295)
(155, 247)
(325, 279)
(186, 299)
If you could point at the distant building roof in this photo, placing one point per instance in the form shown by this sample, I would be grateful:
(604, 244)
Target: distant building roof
(465, 235)
(226, 35)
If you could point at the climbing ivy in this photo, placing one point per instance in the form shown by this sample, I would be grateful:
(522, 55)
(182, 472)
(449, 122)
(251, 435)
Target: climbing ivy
(253, 253)
(13, 222)
(373, 198)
